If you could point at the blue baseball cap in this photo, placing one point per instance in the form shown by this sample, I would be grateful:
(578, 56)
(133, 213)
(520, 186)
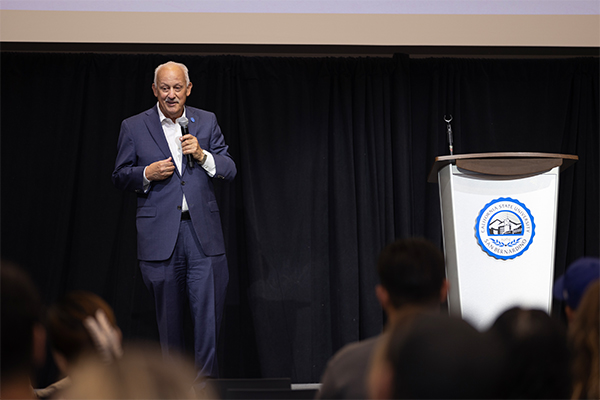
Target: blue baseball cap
(571, 286)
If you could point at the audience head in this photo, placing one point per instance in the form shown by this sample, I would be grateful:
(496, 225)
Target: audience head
(141, 373)
(572, 284)
(584, 339)
(79, 324)
(23, 336)
(436, 357)
(537, 355)
(411, 272)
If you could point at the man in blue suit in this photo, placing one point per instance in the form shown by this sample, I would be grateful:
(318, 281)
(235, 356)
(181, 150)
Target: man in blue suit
(180, 243)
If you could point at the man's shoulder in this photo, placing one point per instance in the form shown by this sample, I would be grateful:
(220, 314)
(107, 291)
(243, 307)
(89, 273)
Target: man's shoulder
(198, 112)
(144, 114)
(192, 113)
(361, 349)
(344, 376)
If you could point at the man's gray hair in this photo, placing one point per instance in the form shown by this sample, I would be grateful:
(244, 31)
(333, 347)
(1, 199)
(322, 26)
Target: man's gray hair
(173, 63)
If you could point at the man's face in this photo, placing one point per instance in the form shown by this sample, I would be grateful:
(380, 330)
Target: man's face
(171, 91)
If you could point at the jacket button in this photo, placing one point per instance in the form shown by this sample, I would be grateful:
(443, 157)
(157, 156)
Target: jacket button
(179, 207)
(182, 183)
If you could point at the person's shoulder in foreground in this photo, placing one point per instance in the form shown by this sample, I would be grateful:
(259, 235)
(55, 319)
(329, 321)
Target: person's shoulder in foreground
(351, 361)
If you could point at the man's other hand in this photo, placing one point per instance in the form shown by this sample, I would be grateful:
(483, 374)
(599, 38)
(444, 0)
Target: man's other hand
(159, 170)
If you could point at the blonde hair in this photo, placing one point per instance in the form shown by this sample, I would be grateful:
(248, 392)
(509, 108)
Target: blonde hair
(66, 323)
(142, 373)
(584, 334)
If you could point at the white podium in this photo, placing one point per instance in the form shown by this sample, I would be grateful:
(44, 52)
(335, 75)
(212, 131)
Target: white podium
(499, 228)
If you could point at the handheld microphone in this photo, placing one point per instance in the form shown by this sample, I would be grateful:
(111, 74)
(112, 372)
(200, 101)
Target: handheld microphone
(183, 122)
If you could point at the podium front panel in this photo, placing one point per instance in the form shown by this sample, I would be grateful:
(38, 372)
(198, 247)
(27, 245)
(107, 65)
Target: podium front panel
(499, 235)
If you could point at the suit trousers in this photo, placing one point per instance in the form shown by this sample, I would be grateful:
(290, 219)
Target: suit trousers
(189, 275)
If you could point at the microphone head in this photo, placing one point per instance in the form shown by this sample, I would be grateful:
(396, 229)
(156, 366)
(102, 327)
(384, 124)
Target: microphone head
(183, 121)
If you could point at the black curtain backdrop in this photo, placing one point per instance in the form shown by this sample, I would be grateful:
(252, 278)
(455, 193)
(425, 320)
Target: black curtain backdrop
(333, 156)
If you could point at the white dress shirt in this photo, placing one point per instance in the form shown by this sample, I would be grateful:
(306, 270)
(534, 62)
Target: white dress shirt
(172, 133)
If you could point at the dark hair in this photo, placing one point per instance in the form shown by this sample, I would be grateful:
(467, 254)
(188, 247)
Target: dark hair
(440, 357)
(537, 353)
(584, 340)
(66, 331)
(412, 271)
(20, 309)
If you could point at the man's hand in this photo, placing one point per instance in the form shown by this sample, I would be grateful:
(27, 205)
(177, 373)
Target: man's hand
(189, 145)
(159, 170)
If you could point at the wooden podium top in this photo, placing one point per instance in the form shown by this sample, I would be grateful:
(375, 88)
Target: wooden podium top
(505, 164)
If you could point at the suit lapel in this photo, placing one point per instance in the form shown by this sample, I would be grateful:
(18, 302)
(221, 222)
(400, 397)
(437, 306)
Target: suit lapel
(155, 128)
(189, 113)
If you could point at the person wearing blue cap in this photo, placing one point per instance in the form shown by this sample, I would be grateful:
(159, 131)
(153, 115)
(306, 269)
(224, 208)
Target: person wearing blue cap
(571, 286)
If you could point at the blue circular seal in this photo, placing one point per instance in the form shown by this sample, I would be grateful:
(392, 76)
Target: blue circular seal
(505, 228)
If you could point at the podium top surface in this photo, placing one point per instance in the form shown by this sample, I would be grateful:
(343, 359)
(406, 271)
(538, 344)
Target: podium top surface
(503, 164)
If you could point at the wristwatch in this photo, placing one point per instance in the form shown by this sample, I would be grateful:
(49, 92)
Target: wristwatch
(201, 162)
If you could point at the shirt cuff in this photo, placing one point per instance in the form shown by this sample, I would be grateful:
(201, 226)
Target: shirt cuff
(146, 186)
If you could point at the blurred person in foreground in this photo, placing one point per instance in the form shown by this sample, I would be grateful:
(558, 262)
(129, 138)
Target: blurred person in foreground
(142, 373)
(23, 337)
(537, 355)
(571, 286)
(436, 357)
(412, 280)
(80, 325)
(584, 341)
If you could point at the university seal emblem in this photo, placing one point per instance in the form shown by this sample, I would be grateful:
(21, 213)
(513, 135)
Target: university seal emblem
(505, 228)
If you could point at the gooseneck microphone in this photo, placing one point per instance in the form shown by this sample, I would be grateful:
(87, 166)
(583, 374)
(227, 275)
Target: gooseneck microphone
(183, 122)
(449, 132)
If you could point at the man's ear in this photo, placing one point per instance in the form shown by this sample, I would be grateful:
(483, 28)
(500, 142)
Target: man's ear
(444, 290)
(570, 313)
(383, 296)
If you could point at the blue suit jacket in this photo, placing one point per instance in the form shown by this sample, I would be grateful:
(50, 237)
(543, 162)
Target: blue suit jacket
(142, 142)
